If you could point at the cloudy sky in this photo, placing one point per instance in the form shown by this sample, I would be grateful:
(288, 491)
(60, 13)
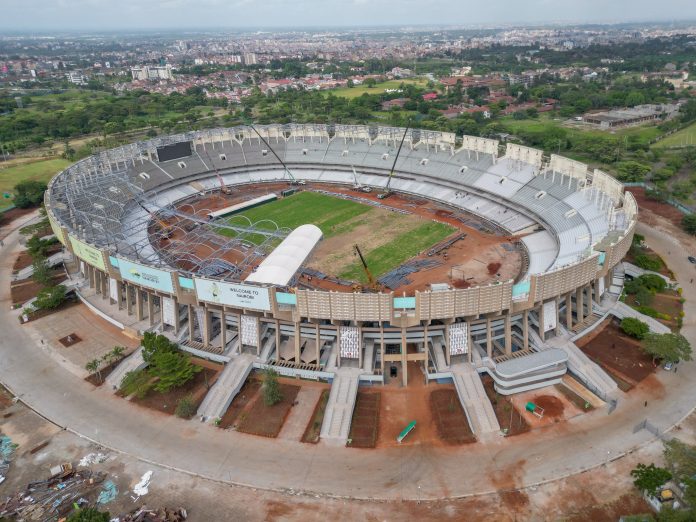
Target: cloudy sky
(88, 15)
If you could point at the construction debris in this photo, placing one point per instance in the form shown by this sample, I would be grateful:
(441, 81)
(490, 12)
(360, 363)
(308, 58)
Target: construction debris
(397, 277)
(143, 514)
(444, 245)
(141, 488)
(7, 449)
(49, 500)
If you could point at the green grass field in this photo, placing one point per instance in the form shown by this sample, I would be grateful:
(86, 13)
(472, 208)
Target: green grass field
(359, 90)
(403, 247)
(683, 138)
(40, 170)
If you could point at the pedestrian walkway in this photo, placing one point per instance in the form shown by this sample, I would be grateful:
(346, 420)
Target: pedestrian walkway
(300, 414)
(339, 409)
(223, 392)
(474, 400)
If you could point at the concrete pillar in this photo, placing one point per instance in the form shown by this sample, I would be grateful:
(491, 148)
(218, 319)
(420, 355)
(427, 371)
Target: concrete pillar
(360, 346)
(338, 346)
(447, 345)
(138, 304)
(277, 336)
(239, 332)
(223, 330)
(91, 276)
(119, 295)
(317, 344)
(404, 360)
(129, 299)
(569, 311)
(489, 339)
(150, 309)
(298, 342)
(588, 292)
(542, 334)
(381, 348)
(258, 338)
(427, 349)
(177, 321)
(558, 315)
(206, 326)
(508, 335)
(579, 306)
(106, 289)
(525, 330)
(469, 342)
(191, 322)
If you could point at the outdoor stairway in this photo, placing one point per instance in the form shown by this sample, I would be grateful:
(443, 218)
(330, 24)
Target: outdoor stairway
(231, 380)
(267, 349)
(55, 259)
(513, 355)
(474, 399)
(339, 409)
(131, 363)
(201, 347)
(439, 353)
(589, 321)
(368, 355)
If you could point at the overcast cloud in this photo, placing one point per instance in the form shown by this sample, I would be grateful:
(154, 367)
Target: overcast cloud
(88, 15)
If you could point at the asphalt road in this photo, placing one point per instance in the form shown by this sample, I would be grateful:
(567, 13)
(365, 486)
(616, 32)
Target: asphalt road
(408, 471)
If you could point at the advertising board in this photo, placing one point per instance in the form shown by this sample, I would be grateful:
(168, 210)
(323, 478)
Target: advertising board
(146, 276)
(88, 253)
(240, 296)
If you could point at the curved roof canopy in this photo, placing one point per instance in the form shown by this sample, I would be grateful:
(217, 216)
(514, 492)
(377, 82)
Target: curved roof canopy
(281, 264)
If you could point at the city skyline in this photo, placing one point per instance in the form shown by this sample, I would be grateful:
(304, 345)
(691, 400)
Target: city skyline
(98, 15)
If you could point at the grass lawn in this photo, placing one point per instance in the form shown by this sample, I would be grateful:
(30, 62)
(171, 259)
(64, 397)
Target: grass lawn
(405, 246)
(40, 170)
(359, 90)
(326, 212)
(682, 138)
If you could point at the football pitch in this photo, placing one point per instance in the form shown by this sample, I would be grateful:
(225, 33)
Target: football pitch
(386, 238)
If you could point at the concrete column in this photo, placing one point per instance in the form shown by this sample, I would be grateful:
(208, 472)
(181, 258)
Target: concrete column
(588, 292)
(489, 339)
(239, 332)
(525, 329)
(427, 349)
(150, 309)
(569, 311)
(508, 335)
(542, 334)
(469, 342)
(106, 289)
(579, 306)
(177, 322)
(317, 344)
(138, 304)
(207, 326)
(360, 346)
(258, 338)
(90, 272)
(277, 336)
(558, 315)
(223, 330)
(298, 342)
(447, 345)
(129, 299)
(338, 346)
(191, 322)
(119, 295)
(404, 360)
(381, 348)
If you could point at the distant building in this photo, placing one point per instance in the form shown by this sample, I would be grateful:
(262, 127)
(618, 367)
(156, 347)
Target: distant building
(77, 78)
(152, 72)
(249, 59)
(631, 116)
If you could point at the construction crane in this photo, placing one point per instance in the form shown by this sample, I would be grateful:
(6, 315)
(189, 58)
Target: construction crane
(359, 186)
(387, 191)
(224, 189)
(370, 277)
(292, 181)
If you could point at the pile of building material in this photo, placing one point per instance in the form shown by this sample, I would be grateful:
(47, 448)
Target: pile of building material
(52, 499)
(444, 245)
(143, 514)
(398, 276)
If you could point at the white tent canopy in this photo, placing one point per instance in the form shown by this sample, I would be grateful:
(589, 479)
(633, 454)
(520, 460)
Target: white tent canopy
(281, 264)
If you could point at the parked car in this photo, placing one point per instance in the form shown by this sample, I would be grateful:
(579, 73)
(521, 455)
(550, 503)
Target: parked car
(692, 259)
(669, 366)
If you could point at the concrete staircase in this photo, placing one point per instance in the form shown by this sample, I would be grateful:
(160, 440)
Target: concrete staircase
(231, 380)
(55, 259)
(368, 355)
(339, 409)
(130, 364)
(474, 399)
(438, 352)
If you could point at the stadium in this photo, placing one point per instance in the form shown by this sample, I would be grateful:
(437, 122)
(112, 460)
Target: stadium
(354, 255)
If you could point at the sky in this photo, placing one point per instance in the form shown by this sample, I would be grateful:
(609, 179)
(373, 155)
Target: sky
(95, 15)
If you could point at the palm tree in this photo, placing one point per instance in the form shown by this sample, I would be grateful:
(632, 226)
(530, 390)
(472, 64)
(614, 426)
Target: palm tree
(94, 366)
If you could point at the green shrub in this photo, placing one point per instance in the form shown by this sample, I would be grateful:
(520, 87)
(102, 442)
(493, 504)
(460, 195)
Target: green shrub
(185, 408)
(271, 389)
(643, 296)
(652, 282)
(173, 369)
(648, 262)
(29, 193)
(689, 224)
(634, 327)
(137, 382)
(50, 298)
(646, 310)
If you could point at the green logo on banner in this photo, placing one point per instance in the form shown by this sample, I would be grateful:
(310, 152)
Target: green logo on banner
(6, 195)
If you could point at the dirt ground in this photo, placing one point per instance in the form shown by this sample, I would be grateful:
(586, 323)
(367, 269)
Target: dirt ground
(450, 419)
(311, 434)
(267, 421)
(557, 407)
(364, 426)
(655, 207)
(617, 353)
(196, 388)
(601, 495)
(239, 404)
(23, 291)
(464, 263)
(510, 417)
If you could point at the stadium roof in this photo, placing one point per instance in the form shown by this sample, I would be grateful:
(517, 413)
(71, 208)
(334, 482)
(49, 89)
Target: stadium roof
(281, 264)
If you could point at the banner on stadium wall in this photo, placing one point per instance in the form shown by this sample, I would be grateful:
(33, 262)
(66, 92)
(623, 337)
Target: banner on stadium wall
(55, 227)
(146, 276)
(550, 316)
(250, 330)
(168, 313)
(88, 253)
(240, 296)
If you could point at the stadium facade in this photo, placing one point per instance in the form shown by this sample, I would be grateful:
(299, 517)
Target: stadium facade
(575, 226)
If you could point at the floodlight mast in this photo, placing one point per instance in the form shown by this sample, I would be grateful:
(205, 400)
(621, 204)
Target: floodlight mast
(293, 181)
(387, 191)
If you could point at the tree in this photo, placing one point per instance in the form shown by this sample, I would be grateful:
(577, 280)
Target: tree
(668, 347)
(42, 272)
(50, 298)
(37, 247)
(649, 478)
(94, 366)
(632, 170)
(370, 82)
(634, 327)
(689, 224)
(29, 193)
(154, 344)
(173, 370)
(271, 389)
(89, 514)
